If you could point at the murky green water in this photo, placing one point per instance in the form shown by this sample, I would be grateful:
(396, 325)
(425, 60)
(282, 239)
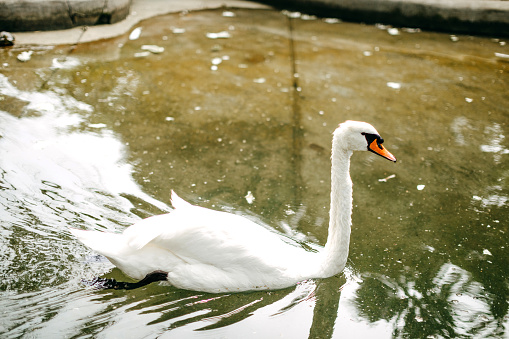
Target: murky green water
(95, 137)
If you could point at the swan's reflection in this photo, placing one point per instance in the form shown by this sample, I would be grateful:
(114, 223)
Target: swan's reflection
(164, 309)
(169, 308)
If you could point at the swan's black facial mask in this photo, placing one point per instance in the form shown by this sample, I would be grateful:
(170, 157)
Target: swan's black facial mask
(375, 145)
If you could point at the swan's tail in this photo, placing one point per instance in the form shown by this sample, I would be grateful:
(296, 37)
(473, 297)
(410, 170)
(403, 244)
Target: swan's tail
(105, 243)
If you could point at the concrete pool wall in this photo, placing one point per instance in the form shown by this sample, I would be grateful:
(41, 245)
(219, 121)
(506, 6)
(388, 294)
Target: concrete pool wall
(454, 16)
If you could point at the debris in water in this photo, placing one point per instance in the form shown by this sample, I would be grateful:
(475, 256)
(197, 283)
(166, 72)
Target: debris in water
(392, 176)
(393, 31)
(260, 80)
(135, 34)
(228, 14)
(99, 125)
(420, 187)
(219, 35)
(6, 39)
(486, 252)
(153, 49)
(292, 15)
(308, 17)
(25, 56)
(169, 119)
(177, 30)
(65, 63)
(469, 100)
(395, 85)
(454, 38)
(141, 54)
(429, 248)
(331, 21)
(502, 55)
(217, 61)
(249, 197)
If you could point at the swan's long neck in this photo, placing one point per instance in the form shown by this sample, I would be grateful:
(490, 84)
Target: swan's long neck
(335, 252)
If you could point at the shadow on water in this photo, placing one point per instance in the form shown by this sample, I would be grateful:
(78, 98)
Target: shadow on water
(113, 133)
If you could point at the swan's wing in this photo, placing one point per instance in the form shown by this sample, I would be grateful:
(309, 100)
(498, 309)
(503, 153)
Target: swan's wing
(144, 231)
(199, 235)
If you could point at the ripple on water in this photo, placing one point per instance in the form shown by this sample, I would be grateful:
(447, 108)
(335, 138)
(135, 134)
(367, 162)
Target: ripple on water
(56, 175)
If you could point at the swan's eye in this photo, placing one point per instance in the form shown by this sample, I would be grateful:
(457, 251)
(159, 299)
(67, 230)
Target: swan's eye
(371, 137)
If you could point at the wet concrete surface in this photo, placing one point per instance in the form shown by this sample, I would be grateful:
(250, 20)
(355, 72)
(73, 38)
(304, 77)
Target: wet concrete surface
(245, 101)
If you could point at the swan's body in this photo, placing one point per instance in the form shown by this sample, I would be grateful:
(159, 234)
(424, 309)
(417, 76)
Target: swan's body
(212, 251)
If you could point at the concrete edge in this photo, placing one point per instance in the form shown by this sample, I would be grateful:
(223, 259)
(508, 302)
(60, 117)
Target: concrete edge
(140, 10)
(452, 16)
(44, 15)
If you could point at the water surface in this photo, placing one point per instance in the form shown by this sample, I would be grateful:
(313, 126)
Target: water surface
(95, 136)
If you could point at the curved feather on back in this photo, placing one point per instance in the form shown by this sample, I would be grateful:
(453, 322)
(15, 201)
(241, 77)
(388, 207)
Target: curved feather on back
(178, 202)
(200, 235)
(146, 230)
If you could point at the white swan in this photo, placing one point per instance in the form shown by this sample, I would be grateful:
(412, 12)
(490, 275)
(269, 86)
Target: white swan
(200, 249)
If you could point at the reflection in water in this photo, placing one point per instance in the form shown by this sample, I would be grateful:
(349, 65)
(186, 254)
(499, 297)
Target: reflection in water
(168, 308)
(495, 146)
(493, 198)
(459, 126)
(56, 173)
(451, 305)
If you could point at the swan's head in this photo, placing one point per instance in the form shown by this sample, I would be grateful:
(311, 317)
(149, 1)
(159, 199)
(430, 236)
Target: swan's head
(361, 136)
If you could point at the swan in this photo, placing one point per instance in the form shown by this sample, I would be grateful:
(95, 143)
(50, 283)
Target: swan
(195, 248)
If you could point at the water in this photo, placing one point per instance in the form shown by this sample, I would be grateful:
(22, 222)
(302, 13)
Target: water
(94, 137)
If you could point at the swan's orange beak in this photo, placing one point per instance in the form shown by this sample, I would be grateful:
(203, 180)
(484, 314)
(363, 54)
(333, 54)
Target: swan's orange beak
(377, 148)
